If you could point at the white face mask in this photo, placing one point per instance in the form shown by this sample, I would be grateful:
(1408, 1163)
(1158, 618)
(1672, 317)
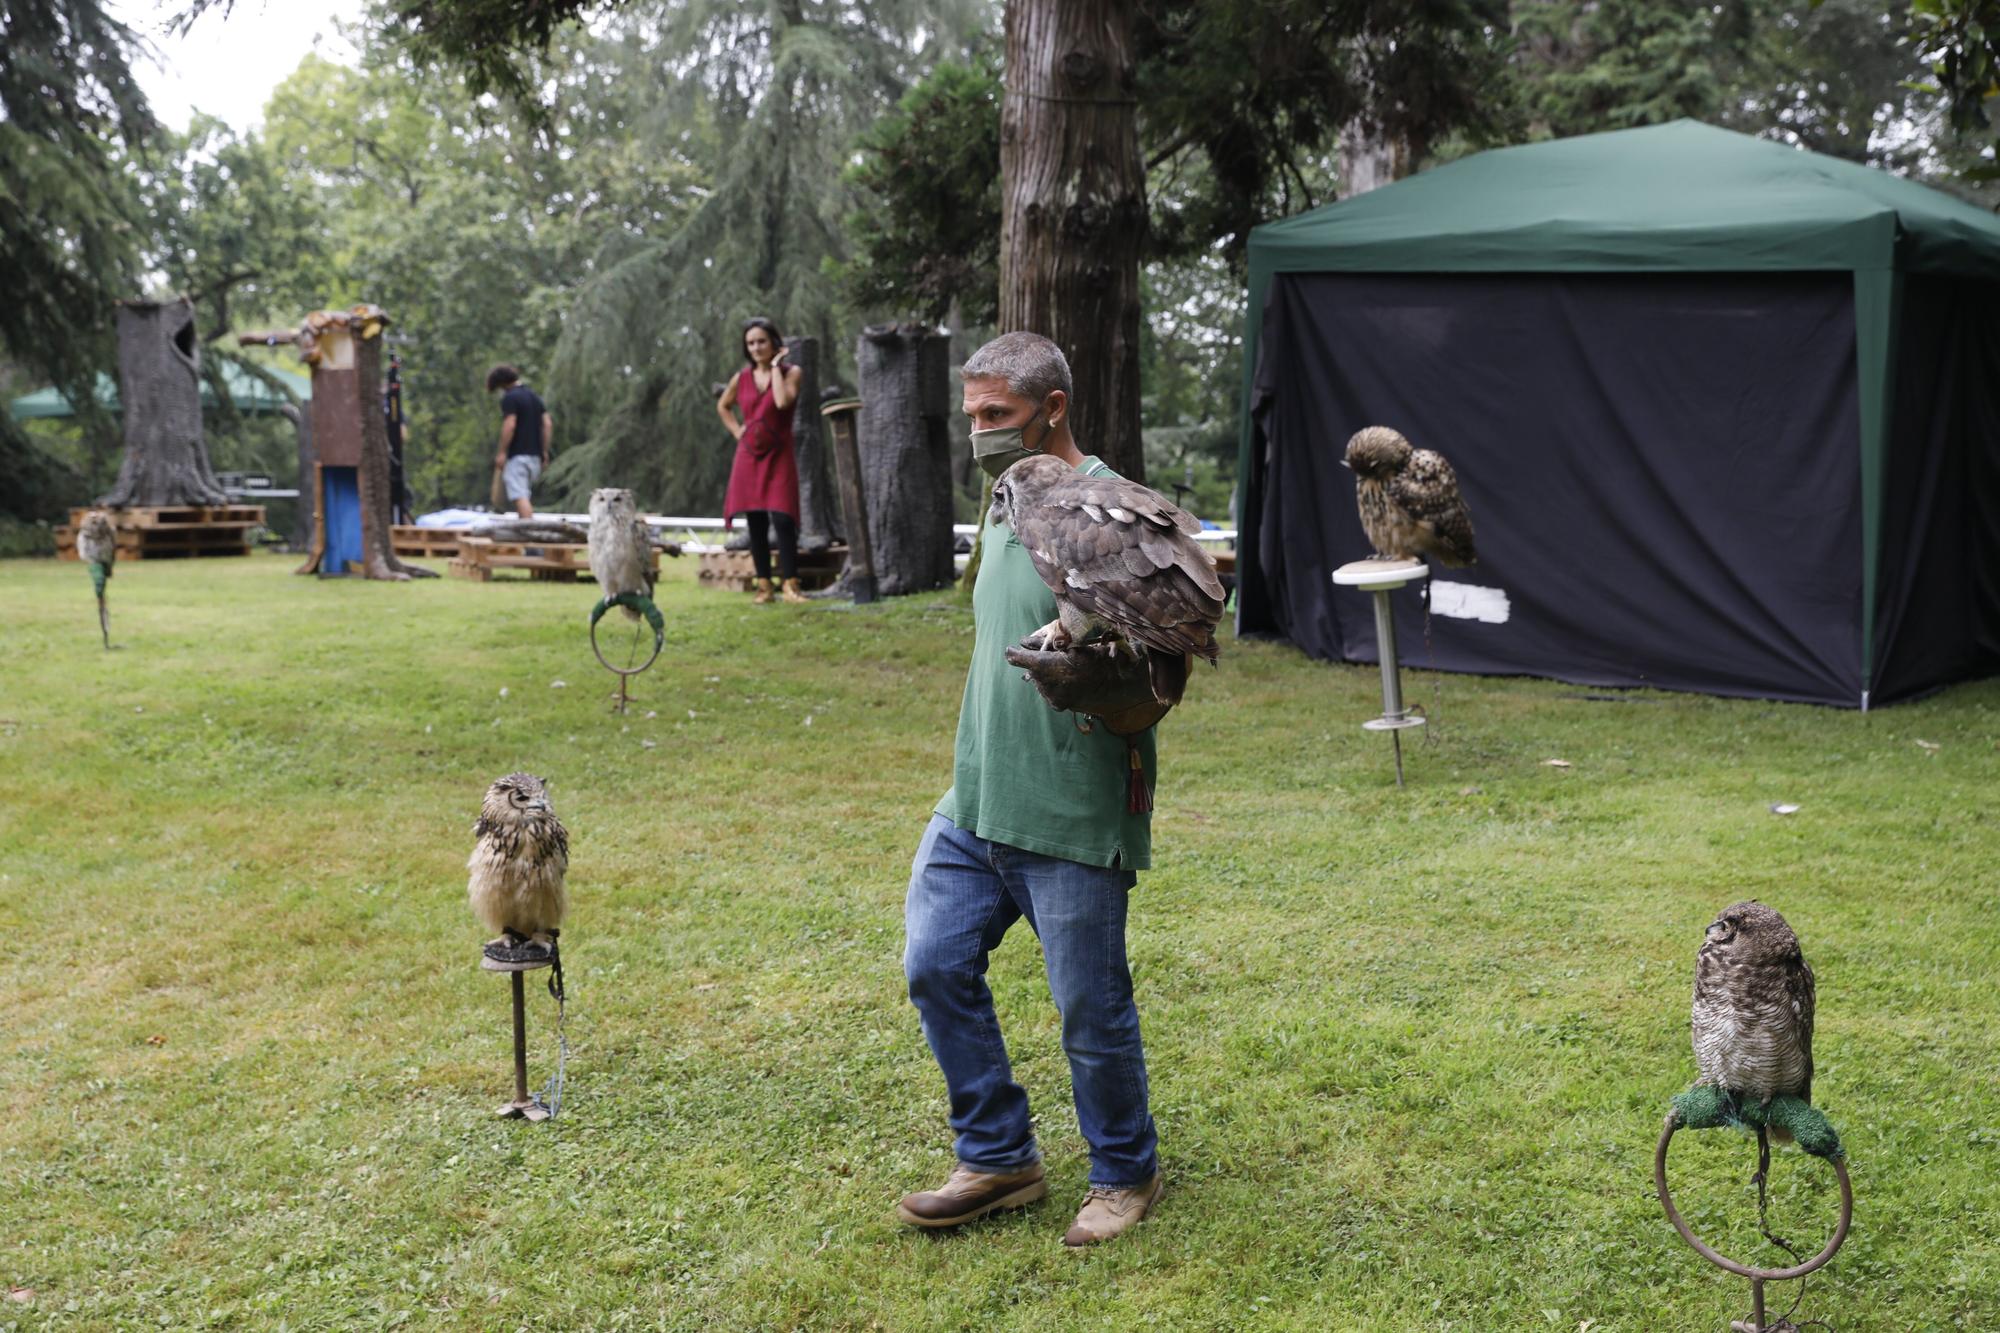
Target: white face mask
(1003, 446)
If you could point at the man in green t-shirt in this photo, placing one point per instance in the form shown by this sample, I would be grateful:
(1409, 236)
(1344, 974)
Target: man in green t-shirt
(1035, 825)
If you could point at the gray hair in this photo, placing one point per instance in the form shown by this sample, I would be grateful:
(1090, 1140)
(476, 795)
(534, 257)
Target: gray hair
(1033, 366)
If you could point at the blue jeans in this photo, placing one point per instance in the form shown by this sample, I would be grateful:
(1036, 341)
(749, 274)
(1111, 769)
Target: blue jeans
(964, 894)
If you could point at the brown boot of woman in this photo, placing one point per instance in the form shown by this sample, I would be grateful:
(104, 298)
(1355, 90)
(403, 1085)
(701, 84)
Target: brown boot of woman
(792, 593)
(764, 592)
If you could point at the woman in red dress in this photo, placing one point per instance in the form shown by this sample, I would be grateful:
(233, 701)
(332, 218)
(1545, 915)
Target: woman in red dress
(764, 479)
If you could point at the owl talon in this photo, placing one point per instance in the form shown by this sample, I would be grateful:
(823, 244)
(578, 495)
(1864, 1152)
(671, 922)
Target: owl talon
(1051, 637)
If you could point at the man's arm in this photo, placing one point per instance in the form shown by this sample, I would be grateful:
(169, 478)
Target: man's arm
(506, 438)
(548, 434)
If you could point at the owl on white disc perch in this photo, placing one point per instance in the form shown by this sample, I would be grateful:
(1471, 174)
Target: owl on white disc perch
(620, 546)
(1121, 559)
(1409, 499)
(519, 858)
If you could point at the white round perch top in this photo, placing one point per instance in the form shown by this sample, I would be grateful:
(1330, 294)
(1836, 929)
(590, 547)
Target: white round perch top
(1380, 575)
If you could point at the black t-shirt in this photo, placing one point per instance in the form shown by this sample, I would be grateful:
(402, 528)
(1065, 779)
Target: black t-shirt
(522, 404)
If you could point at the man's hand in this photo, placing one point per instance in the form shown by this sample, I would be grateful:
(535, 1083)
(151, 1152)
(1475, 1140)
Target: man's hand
(499, 461)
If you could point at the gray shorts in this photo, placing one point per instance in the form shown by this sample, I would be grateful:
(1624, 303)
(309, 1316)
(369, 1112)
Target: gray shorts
(520, 475)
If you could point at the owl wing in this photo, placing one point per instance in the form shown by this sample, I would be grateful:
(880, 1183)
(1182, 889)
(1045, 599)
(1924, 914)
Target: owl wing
(1124, 554)
(1799, 990)
(642, 548)
(1427, 490)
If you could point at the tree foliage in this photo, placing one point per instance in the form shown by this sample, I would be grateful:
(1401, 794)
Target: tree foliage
(72, 123)
(928, 233)
(1960, 40)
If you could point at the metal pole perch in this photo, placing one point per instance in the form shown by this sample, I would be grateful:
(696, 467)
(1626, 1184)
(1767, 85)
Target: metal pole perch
(1382, 577)
(524, 1106)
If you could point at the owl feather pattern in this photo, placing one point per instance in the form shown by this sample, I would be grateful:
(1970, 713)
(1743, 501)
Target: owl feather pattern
(1409, 499)
(519, 860)
(1118, 556)
(1753, 1007)
(620, 546)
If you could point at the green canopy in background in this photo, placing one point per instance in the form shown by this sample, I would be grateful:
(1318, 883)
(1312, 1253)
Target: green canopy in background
(1681, 198)
(251, 395)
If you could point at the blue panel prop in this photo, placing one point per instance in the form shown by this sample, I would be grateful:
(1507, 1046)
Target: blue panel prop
(340, 501)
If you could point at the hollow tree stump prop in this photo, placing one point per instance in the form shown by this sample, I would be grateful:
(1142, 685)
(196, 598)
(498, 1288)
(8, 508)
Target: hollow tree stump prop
(905, 448)
(159, 387)
(819, 504)
(349, 440)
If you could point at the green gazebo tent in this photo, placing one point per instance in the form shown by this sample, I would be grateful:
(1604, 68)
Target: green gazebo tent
(1726, 413)
(250, 394)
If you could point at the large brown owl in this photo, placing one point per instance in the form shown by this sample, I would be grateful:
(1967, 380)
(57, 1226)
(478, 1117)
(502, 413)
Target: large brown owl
(1753, 1008)
(1409, 498)
(517, 866)
(1119, 557)
(620, 546)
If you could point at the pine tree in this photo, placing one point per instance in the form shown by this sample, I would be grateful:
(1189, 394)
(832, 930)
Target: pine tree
(72, 122)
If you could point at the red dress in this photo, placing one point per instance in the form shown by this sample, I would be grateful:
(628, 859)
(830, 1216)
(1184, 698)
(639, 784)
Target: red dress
(765, 474)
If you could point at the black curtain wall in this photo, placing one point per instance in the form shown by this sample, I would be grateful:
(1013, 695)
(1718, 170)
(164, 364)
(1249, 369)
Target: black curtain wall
(1937, 606)
(1663, 473)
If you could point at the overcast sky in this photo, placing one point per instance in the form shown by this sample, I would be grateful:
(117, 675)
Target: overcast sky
(227, 66)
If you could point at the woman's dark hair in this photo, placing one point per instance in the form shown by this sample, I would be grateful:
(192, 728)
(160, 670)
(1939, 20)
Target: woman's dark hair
(500, 377)
(777, 338)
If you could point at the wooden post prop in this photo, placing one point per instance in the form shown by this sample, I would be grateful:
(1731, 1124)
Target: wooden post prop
(819, 504)
(905, 457)
(159, 387)
(840, 416)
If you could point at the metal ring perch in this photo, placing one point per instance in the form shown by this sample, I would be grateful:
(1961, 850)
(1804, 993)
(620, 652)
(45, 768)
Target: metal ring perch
(1758, 1276)
(644, 606)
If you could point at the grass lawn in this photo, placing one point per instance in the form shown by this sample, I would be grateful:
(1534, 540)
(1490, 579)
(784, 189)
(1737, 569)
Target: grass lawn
(1410, 1050)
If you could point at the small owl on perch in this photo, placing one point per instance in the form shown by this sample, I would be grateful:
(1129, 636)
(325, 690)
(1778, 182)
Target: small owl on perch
(1753, 1008)
(517, 868)
(1409, 499)
(97, 546)
(1120, 557)
(620, 546)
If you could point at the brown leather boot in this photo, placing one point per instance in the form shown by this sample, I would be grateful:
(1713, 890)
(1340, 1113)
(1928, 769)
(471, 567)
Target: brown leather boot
(968, 1195)
(792, 593)
(1109, 1213)
(764, 591)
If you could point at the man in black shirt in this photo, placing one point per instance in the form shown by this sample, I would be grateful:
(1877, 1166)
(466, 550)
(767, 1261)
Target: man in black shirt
(525, 431)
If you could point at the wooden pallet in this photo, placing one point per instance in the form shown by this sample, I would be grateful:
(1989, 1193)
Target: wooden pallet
(479, 558)
(171, 533)
(171, 516)
(733, 571)
(424, 543)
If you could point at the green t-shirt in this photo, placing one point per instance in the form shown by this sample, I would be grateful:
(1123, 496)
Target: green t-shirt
(1022, 773)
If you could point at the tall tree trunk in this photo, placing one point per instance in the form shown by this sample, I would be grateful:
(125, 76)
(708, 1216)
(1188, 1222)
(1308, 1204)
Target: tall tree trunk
(1073, 208)
(906, 456)
(378, 558)
(308, 501)
(159, 389)
(819, 506)
(1370, 158)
